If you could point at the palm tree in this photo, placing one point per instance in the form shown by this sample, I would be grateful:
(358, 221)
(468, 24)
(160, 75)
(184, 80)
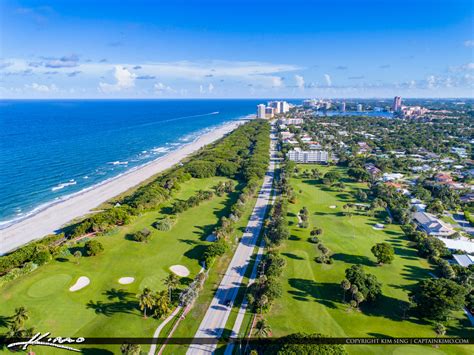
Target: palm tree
(21, 316)
(171, 282)
(262, 329)
(262, 302)
(345, 285)
(145, 300)
(162, 304)
(130, 349)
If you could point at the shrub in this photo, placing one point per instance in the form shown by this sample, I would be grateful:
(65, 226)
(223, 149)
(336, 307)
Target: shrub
(142, 235)
(42, 257)
(213, 251)
(93, 247)
(314, 240)
(165, 224)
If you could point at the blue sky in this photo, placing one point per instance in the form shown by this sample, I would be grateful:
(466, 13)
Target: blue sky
(226, 48)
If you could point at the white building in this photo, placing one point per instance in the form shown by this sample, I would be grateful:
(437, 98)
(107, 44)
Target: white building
(432, 225)
(391, 176)
(359, 107)
(308, 156)
(261, 111)
(284, 107)
(269, 112)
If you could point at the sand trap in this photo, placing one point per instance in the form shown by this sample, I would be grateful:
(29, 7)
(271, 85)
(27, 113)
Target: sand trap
(81, 282)
(126, 280)
(332, 206)
(378, 228)
(211, 238)
(180, 270)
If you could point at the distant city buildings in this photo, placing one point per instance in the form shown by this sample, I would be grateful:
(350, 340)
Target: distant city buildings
(273, 107)
(359, 107)
(343, 107)
(308, 156)
(269, 112)
(261, 111)
(397, 104)
(413, 111)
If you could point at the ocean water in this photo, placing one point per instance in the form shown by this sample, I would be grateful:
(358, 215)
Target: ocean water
(52, 149)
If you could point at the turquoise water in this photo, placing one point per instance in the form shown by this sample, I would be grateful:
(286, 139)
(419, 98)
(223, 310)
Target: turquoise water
(52, 149)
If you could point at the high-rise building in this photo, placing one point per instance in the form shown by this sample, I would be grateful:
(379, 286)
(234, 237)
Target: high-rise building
(261, 111)
(359, 107)
(269, 112)
(397, 104)
(343, 107)
(276, 106)
(284, 107)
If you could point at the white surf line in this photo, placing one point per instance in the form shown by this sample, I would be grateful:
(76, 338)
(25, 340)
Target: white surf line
(160, 327)
(54, 217)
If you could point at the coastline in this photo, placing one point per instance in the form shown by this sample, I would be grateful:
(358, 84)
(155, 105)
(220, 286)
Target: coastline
(52, 218)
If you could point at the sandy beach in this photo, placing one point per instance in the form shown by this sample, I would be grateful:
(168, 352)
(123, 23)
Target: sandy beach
(51, 220)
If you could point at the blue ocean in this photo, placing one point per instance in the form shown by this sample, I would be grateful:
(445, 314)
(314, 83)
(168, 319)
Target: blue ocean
(51, 149)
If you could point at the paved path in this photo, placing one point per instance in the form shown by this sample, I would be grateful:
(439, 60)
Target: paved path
(215, 319)
(160, 327)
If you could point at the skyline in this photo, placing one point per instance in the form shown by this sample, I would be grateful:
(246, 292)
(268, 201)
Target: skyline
(277, 49)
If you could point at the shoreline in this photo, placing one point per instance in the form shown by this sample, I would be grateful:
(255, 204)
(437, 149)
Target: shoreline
(55, 216)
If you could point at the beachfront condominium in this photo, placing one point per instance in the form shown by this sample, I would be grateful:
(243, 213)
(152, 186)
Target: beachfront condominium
(279, 106)
(269, 112)
(397, 104)
(261, 111)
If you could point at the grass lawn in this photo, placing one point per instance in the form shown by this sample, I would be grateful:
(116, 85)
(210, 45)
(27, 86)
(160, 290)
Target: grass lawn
(106, 308)
(312, 296)
(188, 327)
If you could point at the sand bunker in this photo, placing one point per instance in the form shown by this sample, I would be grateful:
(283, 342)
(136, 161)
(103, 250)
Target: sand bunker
(81, 282)
(126, 280)
(180, 270)
(332, 206)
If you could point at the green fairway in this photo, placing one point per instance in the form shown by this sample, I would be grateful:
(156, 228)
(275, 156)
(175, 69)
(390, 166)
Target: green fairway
(105, 307)
(312, 297)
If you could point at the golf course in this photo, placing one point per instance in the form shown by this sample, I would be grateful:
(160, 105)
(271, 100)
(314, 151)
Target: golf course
(312, 300)
(108, 305)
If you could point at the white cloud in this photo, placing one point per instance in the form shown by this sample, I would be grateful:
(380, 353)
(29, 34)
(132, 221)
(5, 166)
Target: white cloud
(161, 88)
(41, 87)
(327, 77)
(201, 89)
(299, 81)
(469, 43)
(124, 80)
(431, 82)
(276, 81)
(210, 88)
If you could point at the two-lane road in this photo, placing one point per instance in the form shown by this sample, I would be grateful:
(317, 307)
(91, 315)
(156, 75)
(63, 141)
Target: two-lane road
(215, 319)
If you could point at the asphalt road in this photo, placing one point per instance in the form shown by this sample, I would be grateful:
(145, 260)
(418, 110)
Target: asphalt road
(215, 319)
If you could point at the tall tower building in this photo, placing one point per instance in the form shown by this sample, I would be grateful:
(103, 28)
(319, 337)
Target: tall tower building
(261, 111)
(343, 107)
(397, 104)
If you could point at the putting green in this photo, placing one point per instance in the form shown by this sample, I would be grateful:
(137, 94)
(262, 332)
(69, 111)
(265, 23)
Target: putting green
(49, 285)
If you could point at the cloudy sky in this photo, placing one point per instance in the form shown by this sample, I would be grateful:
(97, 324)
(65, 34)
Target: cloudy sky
(220, 49)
